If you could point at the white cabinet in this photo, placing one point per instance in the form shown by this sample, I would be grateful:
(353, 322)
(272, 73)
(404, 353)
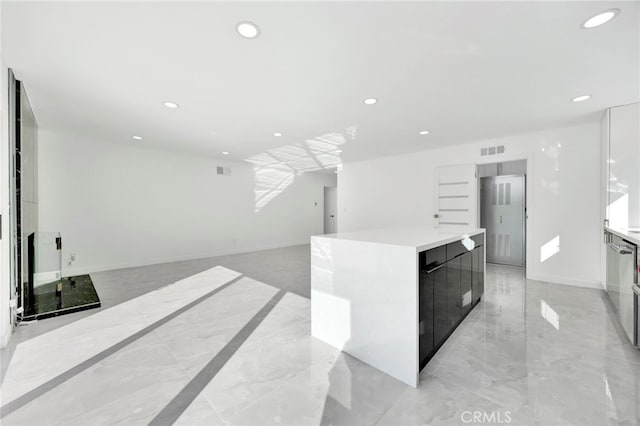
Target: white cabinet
(623, 186)
(620, 175)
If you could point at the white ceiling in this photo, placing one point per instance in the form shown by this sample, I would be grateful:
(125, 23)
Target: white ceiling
(463, 70)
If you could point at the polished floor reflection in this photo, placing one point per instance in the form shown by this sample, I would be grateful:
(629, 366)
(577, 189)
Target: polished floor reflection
(529, 353)
(532, 352)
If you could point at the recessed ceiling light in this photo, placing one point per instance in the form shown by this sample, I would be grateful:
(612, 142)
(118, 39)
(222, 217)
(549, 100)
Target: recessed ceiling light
(136, 138)
(370, 101)
(225, 152)
(581, 98)
(171, 105)
(338, 151)
(248, 29)
(600, 18)
(424, 132)
(277, 134)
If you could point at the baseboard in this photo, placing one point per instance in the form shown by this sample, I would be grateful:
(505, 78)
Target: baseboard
(82, 270)
(5, 335)
(566, 281)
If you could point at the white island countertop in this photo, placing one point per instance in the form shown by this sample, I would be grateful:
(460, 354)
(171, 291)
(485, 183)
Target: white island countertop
(421, 239)
(630, 235)
(365, 292)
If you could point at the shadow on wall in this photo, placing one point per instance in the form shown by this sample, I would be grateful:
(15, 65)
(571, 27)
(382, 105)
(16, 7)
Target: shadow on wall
(276, 169)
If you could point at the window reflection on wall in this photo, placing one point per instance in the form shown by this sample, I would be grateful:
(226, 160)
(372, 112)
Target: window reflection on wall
(276, 169)
(550, 248)
(618, 212)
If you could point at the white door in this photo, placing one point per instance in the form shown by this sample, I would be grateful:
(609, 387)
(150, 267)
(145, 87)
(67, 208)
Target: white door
(456, 196)
(503, 217)
(330, 210)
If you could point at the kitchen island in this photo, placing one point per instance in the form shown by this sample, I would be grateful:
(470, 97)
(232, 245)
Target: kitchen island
(391, 297)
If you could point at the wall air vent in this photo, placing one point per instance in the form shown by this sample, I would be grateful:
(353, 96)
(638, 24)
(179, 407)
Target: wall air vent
(492, 150)
(223, 171)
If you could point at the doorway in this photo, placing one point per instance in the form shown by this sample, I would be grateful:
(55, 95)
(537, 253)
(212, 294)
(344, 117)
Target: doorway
(330, 210)
(503, 212)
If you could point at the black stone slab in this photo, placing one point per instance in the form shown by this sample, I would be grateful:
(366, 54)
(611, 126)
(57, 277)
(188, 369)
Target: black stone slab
(64, 296)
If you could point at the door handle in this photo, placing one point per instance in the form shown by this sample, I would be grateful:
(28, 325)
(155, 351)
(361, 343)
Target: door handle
(500, 219)
(332, 216)
(621, 249)
(436, 268)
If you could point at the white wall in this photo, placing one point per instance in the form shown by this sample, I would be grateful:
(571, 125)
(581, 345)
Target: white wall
(563, 198)
(120, 205)
(604, 194)
(624, 171)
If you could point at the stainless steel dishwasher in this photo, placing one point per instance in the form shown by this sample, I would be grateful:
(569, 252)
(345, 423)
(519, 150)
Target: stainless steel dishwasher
(636, 291)
(622, 276)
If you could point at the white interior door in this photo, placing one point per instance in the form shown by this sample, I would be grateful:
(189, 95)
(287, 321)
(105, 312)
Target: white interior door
(503, 217)
(330, 210)
(456, 196)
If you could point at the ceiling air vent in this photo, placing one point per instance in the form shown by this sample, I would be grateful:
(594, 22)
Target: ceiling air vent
(492, 150)
(223, 171)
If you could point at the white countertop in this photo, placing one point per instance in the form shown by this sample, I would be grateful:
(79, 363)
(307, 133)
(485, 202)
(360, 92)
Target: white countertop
(632, 237)
(422, 238)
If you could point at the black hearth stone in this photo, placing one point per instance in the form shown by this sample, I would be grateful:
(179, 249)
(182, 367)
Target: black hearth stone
(71, 294)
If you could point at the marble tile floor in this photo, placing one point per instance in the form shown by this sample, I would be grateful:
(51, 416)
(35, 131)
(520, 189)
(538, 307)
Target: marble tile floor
(285, 268)
(531, 353)
(75, 343)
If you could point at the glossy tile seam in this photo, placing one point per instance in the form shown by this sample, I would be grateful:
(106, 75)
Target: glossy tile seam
(74, 371)
(178, 405)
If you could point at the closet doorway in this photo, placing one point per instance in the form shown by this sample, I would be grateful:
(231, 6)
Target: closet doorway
(503, 211)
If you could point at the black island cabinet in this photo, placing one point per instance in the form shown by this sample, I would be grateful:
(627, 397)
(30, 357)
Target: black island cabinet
(451, 283)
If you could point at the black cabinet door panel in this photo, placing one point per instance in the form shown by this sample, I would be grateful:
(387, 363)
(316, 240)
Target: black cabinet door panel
(481, 271)
(440, 311)
(466, 298)
(478, 239)
(435, 257)
(454, 249)
(475, 283)
(454, 309)
(426, 324)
